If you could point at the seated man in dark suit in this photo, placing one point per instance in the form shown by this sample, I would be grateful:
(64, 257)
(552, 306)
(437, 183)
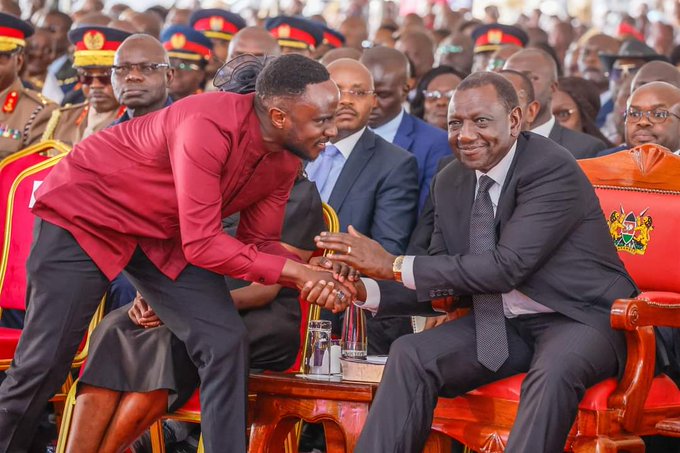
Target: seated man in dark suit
(520, 232)
(371, 184)
(389, 120)
(652, 117)
(542, 71)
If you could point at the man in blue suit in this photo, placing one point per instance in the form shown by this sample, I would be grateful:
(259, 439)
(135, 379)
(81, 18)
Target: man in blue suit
(428, 144)
(371, 184)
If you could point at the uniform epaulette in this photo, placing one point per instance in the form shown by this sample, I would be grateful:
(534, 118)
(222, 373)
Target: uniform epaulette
(37, 96)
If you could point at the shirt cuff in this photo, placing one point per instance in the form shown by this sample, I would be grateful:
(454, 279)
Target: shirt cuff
(407, 276)
(372, 301)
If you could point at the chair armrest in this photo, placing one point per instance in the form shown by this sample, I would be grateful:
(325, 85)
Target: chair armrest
(637, 318)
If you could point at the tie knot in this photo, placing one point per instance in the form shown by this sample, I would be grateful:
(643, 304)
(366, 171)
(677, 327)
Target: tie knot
(331, 150)
(485, 184)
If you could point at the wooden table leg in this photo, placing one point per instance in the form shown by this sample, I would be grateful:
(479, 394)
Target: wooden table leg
(438, 443)
(270, 429)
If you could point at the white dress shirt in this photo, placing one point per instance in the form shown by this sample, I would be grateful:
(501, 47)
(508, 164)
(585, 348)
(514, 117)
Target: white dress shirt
(515, 303)
(389, 130)
(545, 128)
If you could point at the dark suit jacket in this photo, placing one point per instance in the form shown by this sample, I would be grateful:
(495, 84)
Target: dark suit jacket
(582, 146)
(553, 241)
(377, 192)
(428, 143)
(616, 149)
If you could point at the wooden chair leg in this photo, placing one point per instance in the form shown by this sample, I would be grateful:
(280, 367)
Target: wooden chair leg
(270, 436)
(627, 444)
(67, 417)
(157, 438)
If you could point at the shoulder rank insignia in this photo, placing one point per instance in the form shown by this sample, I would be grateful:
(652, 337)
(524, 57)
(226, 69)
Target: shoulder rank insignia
(631, 233)
(10, 102)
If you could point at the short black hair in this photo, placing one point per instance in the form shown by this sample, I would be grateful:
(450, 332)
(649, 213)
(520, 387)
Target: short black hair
(288, 76)
(504, 90)
(526, 83)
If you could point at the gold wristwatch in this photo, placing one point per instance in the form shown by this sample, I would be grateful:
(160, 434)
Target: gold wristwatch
(396, 268)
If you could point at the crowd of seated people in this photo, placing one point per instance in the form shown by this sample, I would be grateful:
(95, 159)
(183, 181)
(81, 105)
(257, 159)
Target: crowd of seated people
(401, 135)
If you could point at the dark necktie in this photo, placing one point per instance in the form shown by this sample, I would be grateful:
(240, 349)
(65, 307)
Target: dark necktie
(492, 339)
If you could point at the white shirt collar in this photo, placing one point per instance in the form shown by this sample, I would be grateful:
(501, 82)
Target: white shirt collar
(500, 171)
(347, 144)
(545, 128)
(389, 130)
(57, 64)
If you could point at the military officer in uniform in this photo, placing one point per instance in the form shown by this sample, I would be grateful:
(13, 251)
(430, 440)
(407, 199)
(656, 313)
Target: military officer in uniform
(95, 48)
(219, 26)
(296, 34)
(189, 52)
(23, 113)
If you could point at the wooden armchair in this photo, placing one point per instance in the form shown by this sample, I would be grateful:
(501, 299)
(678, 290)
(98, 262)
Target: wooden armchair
(639, 191)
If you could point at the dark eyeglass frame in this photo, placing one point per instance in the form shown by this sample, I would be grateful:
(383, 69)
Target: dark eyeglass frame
(5, 56)
(87, 79)
(142, 68)
(436, 95)
(656, 116)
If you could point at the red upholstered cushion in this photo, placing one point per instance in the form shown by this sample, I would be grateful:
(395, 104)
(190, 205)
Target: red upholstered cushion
(9, 338)
(7, 174)
(194, 403)
(664, 392)
(643, 225)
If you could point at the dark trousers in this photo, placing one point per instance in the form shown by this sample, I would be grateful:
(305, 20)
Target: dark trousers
(64, 289)
(563, 358)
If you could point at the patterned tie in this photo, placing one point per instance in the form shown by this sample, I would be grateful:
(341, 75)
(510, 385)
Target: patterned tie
(326, 173)
(492, 339)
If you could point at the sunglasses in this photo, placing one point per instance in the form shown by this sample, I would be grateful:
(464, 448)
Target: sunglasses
(87, 79)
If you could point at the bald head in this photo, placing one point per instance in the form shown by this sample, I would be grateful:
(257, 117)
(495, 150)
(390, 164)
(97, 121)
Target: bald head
(656, 71)
(143, 86)
(355, 31)
(253, 40)
(419, 48)
(541, 69)
(654, 97)
(336, 54)
(389, 69)
(357, 96)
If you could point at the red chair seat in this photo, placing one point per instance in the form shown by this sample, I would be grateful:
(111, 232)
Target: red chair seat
(663, 392)
(194, 403)
(9, 338)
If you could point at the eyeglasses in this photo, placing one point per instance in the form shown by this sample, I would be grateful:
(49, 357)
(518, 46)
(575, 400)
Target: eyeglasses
(564, 114)
(142, 68)
(5, 56)
(358, 94)
(87, 79)
(653, 116)
(618, 72)
(436, 95)
(186, 66)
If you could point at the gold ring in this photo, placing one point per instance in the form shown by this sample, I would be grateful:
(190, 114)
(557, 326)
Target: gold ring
(349, 250)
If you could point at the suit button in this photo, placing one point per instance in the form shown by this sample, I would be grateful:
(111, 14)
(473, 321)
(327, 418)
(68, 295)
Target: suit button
(438, 293)
(450, 292)
(432, 296)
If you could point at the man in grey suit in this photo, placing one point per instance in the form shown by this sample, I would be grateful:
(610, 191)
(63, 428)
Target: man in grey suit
(518, 231)
(542, 71)
(371, 183)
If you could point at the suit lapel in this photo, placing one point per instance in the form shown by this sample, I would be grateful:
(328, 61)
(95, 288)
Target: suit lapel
(506, 202)
(454, 209)
(358, 159)
(404, 136)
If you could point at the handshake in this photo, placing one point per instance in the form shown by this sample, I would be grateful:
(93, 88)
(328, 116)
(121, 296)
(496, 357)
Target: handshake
(333, 281)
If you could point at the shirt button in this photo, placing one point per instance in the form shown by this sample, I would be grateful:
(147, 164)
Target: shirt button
(261, 279)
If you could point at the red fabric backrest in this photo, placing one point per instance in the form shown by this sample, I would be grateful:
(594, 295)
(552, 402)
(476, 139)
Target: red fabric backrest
(18, 235)
(8, 172)
(639, 191)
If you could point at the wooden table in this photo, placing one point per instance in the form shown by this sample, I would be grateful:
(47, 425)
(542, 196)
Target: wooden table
(284, 399)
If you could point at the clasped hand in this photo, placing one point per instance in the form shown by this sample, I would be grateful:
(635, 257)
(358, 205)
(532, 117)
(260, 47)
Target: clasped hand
(330, 284)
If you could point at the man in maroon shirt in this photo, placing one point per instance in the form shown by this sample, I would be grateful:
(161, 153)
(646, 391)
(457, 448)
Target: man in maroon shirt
(147, 197)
